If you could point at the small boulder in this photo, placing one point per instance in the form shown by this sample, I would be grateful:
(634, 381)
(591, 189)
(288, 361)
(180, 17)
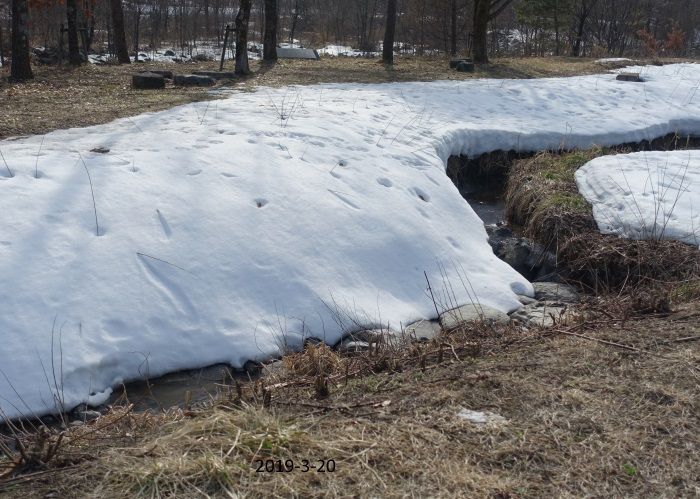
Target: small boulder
(83, 414)
(148, 81)
(456, 62)
(466, 67)
(556, 292)
(423, 330)
(541, 314)
(193, 81)
(472, 313)
(350, 346)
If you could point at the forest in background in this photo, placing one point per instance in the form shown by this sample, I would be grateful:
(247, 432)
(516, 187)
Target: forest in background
(591, 28)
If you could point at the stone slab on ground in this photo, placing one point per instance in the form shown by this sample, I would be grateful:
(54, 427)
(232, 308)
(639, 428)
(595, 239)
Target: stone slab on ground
(168, 75)
(291, 53)
(217, 75)
(148, 81)
(472, 313)
(194, 81)
(635, 77)
(466, 67)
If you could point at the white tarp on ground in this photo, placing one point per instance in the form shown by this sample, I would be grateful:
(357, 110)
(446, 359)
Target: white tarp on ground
(225, 226)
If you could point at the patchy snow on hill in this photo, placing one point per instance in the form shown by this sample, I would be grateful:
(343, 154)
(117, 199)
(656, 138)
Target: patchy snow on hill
(645, 195)
(230, 230)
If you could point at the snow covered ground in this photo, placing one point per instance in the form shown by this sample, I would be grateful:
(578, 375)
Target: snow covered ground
(645, 195)
(231, 229)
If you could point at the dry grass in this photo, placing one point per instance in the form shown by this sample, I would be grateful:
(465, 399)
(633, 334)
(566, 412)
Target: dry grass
(90, 95)
(583, 418)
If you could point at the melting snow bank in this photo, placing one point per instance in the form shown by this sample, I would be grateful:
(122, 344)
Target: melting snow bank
(645, 195)
(232, 229)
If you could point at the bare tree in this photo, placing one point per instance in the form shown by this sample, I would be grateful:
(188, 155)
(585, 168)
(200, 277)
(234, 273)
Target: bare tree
(270, 37)
(484, 12)
(389, 32)
(119, 34)
(21, 69)
(242, 19)
(453, 28)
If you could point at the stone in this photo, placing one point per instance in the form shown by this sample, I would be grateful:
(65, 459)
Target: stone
(456, 62)
(193, 81)
(217, 75)
(352, 346)
(530, 259)
(472, 313)
(253, 368)
(168, 75)
(370, 335)
(86, 414)
(148, 81)
(100, 150)
(541, 314)
(526, 300)
(466, 67)
(295, 53)
(555, 292)
(169, 53)
(635, 77)
(275, 369)
(423, 330)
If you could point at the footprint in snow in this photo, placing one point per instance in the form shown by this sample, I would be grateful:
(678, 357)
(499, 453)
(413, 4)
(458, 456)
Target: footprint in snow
(164, 224)
(261, 202)
(422, 195)
(194, 173)
(385, 182)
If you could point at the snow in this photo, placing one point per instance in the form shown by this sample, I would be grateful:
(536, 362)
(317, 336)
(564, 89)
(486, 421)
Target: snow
(340, 50)
(231, 230)
(645, 195)
(613, 60)
(211, 52)
(481, 417)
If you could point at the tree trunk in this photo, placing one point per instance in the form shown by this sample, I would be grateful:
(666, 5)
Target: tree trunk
(295, 18)
(242, 19)
(481, 28)
(137, 26)
(270, 40)
(2, 48)
(484, 12)
(389, 32)
(74, 57)
(453, 28)
(21, 68)
(118, 31)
